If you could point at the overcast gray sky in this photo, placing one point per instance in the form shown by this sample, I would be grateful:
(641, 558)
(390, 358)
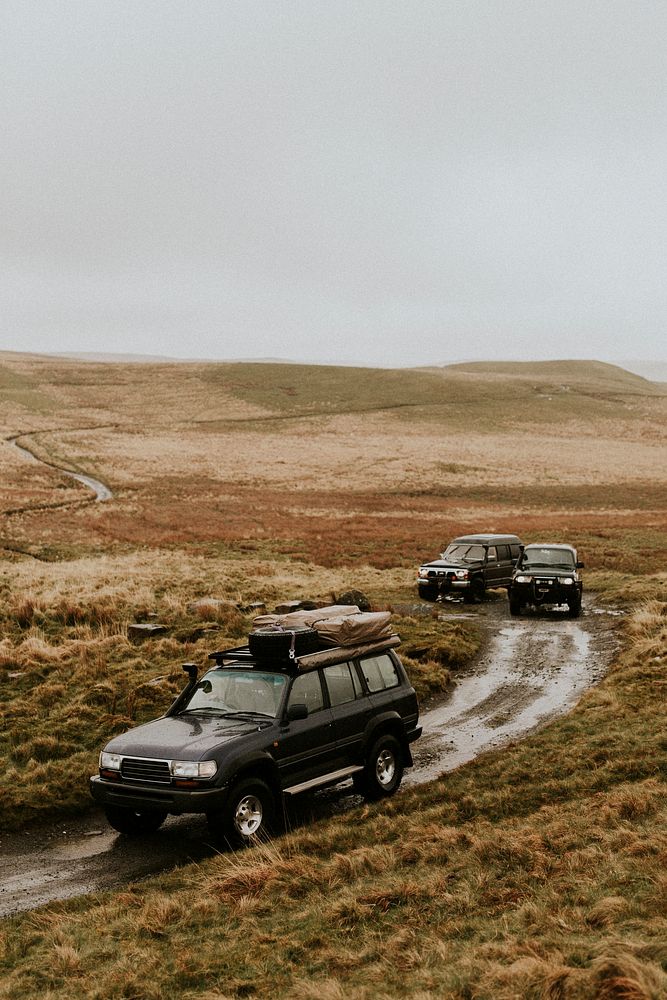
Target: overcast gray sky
(385, 181)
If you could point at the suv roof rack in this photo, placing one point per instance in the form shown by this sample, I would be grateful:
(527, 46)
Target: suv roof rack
(307, 661)
(238, 654)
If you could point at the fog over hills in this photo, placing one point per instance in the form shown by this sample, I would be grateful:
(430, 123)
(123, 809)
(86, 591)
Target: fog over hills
(654, 371)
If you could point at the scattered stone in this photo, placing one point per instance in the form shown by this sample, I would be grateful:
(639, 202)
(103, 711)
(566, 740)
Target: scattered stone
(354, 597)
(288, 606)
(253, 609)
(144, 630)
(15, 674)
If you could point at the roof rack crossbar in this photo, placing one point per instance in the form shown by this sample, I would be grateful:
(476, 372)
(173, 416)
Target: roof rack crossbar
(236, 653)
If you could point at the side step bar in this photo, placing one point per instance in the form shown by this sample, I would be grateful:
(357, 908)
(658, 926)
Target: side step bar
(325, 779)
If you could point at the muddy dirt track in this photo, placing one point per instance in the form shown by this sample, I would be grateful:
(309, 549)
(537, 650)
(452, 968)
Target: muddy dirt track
(530, 670)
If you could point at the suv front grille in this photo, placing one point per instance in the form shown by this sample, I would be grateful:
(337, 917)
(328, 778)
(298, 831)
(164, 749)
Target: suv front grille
(140, 769)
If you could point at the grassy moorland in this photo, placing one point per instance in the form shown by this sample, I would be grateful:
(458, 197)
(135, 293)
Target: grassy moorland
(70, 678)
(535, 872)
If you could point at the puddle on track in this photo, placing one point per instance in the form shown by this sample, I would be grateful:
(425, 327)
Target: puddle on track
(533, 669)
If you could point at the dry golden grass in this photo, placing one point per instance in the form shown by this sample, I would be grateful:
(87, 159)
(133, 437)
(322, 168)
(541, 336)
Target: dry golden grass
(537, 872)
(288, 460)
(70, 678)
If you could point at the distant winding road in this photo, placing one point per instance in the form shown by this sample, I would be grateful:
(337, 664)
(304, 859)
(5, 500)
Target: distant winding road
(101, 490)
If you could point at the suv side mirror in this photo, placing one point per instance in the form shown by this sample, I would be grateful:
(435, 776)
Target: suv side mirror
(580, 565)
(296, 712)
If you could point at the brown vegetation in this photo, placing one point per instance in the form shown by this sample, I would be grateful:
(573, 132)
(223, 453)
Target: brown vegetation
(537, 871)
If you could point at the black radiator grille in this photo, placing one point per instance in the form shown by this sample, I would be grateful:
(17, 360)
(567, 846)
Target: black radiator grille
(145, 770)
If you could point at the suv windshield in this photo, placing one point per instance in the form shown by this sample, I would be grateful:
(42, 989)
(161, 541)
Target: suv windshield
(238, 692)
(463, 552)
(547, 557)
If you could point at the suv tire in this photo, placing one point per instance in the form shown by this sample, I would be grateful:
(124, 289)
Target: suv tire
(574, 607)
(249, 813)
(428, 593)
(475, 592)
(383, 771)
(515, 606)
(134, 822)
(280, 644)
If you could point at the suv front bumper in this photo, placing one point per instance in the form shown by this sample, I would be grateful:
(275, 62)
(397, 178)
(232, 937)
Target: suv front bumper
(544, 592)
(168, 799)
(442, 584)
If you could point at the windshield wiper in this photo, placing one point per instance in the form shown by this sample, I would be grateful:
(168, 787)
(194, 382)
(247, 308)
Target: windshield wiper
(248, 712)
(203, 708)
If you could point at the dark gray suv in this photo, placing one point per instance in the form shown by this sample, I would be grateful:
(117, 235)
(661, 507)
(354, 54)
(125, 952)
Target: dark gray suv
(251, 733)
(547, 575)
(469, 566)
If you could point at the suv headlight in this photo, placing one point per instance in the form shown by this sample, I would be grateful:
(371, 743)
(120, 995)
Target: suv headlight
(423, 572)
(567, 580)
(193, 768)
(110, 761)
(523, 579)
(461, 574)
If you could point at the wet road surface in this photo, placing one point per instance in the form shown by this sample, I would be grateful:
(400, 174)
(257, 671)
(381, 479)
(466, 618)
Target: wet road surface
(101, 490)
(530, 670)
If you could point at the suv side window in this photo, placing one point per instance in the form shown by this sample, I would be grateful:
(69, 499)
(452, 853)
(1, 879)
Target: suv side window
(491, 554)
(516, 551)
(307, 690)
(503, 552)
(379, 672)
(342, 683)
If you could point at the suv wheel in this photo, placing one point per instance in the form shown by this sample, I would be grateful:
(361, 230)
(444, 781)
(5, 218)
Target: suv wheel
(428, 593)
(248, 815)
(134, 822)
(384, 769)
(515, 606)
(475, 592)
(574, 607)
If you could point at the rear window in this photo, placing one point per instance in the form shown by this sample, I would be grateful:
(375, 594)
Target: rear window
(380, 672)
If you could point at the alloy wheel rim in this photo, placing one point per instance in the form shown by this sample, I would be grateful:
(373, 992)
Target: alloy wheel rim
(385, 767)
(248, 815)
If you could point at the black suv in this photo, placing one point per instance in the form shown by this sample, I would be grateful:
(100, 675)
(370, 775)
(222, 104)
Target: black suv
(547, 575)
(252, 732)
(469, 566)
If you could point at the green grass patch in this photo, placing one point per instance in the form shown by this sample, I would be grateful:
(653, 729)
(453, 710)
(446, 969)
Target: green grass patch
(23, 390)
(480, 397)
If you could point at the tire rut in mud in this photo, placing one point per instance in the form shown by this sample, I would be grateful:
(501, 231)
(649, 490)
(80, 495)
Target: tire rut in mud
(531, 670)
